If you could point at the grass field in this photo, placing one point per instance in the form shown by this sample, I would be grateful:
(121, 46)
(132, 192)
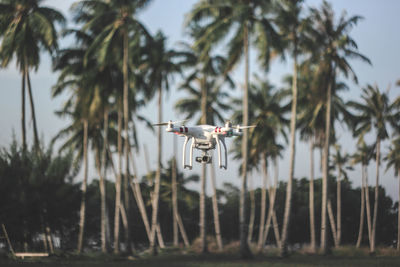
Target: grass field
(226, 260)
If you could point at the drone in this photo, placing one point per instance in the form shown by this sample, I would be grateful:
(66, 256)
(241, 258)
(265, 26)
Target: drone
(204, 138)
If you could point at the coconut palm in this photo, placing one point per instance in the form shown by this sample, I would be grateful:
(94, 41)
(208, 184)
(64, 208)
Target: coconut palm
(113, 45)
(334, 48)
(244, 22)
(203, 86)
(362, 156)
(267, 112)
(374, 114)
(292, 27)
(161, 67)
(78, 107)
(26, 28)
(393, 160)
(340, 161)
(70, 63)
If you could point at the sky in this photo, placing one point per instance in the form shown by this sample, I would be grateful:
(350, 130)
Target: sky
(376, 35)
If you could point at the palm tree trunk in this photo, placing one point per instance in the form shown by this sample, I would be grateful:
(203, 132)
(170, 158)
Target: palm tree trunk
(137, 194)
(174, 198)
(126, 135)
(272, 212)
(182, 230)
(263, 203)
(367, 204)
(398, 213)
(202, 223)
(378, 161)
(23, 111)
(244, 247)
(332, 222)
(252, 210)
(159, 236)
(288, 201)
(102, 183)
(35, 131)
(118, 184)
(203, 233)
(339, 207)
(215, 209)
(49, 239)
(311, 198)
(325, 167)
(84, 187)
(156, 194)
(361, 227)
(102, 204)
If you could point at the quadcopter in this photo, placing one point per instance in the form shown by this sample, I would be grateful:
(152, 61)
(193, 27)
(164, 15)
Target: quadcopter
(204, 138)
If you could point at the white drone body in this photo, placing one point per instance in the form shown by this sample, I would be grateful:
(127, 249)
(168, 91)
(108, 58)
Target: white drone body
(204, 138)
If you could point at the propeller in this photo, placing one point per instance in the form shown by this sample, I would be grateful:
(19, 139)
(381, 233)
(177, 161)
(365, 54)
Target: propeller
(168, 123)
(246, 127)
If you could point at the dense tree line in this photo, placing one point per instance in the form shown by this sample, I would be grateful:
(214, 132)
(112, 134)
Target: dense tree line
(116, 66)
(49, 197)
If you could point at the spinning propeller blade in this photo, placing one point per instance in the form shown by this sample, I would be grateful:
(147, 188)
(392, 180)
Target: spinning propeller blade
(166, 123)
(247, 127)
(160, 124)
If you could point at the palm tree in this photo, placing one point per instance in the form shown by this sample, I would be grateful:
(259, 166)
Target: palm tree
(240, 21)
(100, 80)
(374, 113)
(78, 107)
(334, 47)
(340, 160)
(205, 94)
(267, 112)
(121, 26)
(363, 155)
(393, 160)
(292, 27)
(161, 69)
(27, 27)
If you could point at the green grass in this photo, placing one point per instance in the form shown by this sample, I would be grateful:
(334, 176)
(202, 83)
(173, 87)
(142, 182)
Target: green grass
(226, 260)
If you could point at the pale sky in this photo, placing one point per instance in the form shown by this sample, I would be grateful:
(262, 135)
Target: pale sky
(377, 37)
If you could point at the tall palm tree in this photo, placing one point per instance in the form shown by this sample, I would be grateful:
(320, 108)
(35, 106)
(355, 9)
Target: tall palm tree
(161, 69)
(292, 27)
(334, 48)
(113, 45)
(267, 112)
(363, 155)
(311, 131)
(340, 160)
(78, 107)
(374, 114)
(202, 84)
(243, 22)
(26, 28)
(99, 79)
(393, 160)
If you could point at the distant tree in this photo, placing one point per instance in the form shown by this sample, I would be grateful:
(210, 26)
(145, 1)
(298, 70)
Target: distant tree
(373, 113)
(393, 160)
(334, 48)
(26, 28)
(242, 22)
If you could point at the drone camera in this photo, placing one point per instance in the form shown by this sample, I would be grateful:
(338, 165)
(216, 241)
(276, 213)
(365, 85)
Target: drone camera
(203, 159)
